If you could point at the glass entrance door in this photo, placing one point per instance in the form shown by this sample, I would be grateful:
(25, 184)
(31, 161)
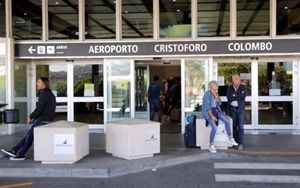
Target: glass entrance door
(119, 89)
(227, 68)
(276, 91)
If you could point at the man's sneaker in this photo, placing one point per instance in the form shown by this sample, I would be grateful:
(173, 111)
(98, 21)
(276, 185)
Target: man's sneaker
(9, 153)
(233, 142)
(17, 158)
(212, 149)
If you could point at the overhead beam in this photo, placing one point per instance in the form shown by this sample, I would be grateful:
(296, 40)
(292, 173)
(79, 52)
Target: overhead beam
(253, 16)
(221, 17)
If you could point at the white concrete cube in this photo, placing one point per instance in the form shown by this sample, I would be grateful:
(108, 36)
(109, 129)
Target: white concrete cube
(202, 134)
(133, 139)
(61, 142)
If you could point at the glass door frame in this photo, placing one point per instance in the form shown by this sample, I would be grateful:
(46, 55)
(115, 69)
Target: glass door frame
(209, 70)
(70, 99)
(251, 98)
(255, 98)
(130, 78)
(293, 98)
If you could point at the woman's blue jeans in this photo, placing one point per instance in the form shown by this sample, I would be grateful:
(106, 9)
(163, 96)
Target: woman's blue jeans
(214, 126)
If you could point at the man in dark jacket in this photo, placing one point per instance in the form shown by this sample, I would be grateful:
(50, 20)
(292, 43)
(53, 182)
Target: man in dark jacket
(236, 94)
(154, 98)
(44, 113)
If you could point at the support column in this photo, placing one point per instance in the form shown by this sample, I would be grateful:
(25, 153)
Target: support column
(10, 79)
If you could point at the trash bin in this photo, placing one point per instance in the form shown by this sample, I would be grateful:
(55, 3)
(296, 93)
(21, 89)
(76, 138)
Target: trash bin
(11, 116)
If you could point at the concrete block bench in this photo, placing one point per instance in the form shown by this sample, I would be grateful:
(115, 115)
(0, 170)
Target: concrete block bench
(61, 142)
(203, 135)
(133, 139)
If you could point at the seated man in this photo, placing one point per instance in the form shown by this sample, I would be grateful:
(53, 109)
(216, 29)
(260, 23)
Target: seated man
(44, 113)
(212, 113)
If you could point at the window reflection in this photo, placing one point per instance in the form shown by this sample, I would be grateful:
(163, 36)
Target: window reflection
(61, 111)
(27, 19)
(225, 72)
(175, 18)
(100, 19)
(2, 18)
(2, 83)
(275, 78)
(253, 17)
(288, 17)
(63, 19)
(137, 17)
(89, 112)
(195, 80)
(22, 107)
(213, 18)
(88, 80)
(275, 113)
(20, 80)
(57, 75)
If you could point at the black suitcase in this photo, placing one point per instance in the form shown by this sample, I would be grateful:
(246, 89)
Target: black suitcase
(190, 132)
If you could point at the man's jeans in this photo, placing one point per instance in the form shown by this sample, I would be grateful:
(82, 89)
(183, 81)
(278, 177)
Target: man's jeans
(238, 124)
(23, 146)
(214, 126)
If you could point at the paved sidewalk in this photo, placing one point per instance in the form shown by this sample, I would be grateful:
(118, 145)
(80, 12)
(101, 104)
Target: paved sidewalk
(101, 165)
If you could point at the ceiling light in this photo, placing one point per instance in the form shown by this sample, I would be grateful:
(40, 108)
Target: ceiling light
(56, 3)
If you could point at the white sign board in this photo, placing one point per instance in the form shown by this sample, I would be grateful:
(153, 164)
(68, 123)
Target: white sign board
(274, 92)
(245, 76)
(64, 144)
(221, 80)
(2, 49)
(89, 90)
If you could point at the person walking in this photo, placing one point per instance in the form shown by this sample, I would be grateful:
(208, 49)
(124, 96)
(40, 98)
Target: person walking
(154, 98)
(236, 94)
(44, 113)
(212, 113)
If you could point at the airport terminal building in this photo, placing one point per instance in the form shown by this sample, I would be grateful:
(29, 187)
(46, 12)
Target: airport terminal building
(101, 55)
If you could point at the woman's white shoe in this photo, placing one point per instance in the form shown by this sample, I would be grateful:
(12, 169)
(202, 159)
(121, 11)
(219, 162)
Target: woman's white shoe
(212, 149)
(233, 142)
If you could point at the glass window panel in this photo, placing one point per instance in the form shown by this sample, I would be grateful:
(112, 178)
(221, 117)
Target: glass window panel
(100, 19)
(119, 68)
(2, 83)
(119, 98)
(88, 80)
(61, 112)
(288, 17)
(275, 78)
(253, 17)
(175, 18)
(22, 107)
(20, 80)
(57, 75)
(195, 81)
(63, 19)
(225, 72)
(275, 113)
(2, 18)
(213, 18)
(89, 112)
(248, 113)
(27, 19)
(137, 19)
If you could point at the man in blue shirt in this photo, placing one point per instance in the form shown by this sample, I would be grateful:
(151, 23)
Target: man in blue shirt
(154, 97)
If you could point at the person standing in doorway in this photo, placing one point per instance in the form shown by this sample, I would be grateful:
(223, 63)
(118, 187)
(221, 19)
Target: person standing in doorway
(236, 94)
(44, 113)
(211, 110)
(154, 98)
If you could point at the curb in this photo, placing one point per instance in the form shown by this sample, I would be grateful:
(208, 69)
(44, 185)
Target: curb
(60, 172)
